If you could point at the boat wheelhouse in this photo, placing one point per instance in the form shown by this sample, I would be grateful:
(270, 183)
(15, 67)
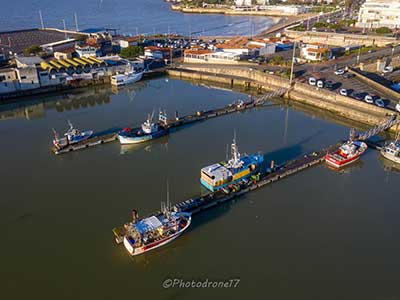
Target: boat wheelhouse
(348, 153)
(149, 130)
(219, 175)
(72, 136)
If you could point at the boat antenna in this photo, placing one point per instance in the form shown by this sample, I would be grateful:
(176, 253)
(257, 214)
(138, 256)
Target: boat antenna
(167, 195)
(55, 133)
(70, 124)
(227, 151)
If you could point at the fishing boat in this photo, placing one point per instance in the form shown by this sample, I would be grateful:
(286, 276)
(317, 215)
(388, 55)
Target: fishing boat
(348, 153)
(220, 175)
(72, 136)
(130, 76)
(146, 234)
(391, 151)
(148, 131)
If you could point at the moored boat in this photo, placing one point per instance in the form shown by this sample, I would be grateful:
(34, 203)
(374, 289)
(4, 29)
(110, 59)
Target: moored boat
(155, 231)
(130, 76)
(348, 153)
(148, 131)
(72, 136)
(238, 168)
(391, 151)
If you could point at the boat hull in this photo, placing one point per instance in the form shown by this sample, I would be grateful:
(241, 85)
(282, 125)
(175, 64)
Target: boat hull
(77, 139)
(140, 250)
(390, 157)
(132, 78)
(126, 139)
(219, 187)
(329, 158)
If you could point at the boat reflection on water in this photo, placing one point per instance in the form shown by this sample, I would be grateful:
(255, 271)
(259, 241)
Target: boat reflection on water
(388, 165)
(129, 89)
(149, 146)
(346, 169)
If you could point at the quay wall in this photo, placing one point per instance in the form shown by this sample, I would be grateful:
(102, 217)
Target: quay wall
(54, 88)
(339, 39)
(303, 93)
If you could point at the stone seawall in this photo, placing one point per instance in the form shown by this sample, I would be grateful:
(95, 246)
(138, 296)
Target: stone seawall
(303, 93)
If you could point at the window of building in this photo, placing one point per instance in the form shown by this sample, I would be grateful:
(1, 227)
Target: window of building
(2, 78)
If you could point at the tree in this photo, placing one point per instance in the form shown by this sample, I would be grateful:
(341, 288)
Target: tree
(34, 49)
(131, 52)
(383, 30)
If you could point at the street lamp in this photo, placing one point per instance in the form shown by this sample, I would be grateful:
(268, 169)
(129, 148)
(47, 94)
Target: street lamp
(292, 67)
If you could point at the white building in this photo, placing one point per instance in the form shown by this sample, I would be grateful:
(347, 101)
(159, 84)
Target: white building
(86, 50)
(379, 13)
(315, 52)
(209, 56)
(129, 41)
(243, 3)
(8, 80)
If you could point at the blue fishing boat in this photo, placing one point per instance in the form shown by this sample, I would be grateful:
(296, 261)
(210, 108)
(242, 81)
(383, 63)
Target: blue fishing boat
(239, 168)
(72, 136)
(148, 131)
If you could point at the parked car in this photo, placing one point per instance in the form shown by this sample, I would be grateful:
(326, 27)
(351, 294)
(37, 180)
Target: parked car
(369, 99)
(397, 107)
(343, 92)
(328, 84)
(312, 81)
(320, 83)
(340, 72)
(358, 96)
(379, 102)
(387, 69)
(348, 75)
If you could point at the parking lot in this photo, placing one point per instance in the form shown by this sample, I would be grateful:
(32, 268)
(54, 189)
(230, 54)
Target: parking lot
(353, 86)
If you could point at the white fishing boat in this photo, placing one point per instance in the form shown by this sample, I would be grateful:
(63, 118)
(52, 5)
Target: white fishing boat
(391, 151)
(130, 76)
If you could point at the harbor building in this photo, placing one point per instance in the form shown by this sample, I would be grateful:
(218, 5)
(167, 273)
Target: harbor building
(379, 13)
(155, 52)
(315, 52)
(247, 47)
(8, 80)
(128, 41)
(209, 56)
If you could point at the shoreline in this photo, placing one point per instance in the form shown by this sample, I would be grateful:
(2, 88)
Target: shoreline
(227, 11)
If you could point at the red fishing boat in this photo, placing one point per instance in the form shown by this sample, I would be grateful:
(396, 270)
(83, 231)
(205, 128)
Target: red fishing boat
(348, 153)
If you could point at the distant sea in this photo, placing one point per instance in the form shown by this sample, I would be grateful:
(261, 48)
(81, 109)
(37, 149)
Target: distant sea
(128, 16)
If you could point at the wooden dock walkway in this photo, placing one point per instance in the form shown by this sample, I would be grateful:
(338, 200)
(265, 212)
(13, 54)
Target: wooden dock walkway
(111, 135)
(200, 203)
(203, 202)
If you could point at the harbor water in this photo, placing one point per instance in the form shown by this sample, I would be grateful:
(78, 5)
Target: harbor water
(320, 234)
(127, 16)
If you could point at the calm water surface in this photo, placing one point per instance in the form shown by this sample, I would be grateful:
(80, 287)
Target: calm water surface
(320, 234)
(128, 16)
